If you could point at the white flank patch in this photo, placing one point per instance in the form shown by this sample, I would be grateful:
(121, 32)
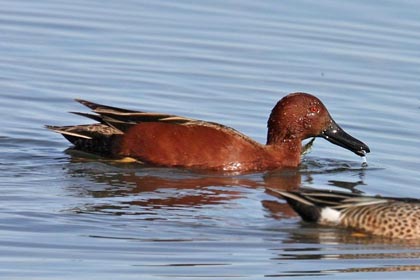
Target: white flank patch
(329, 215)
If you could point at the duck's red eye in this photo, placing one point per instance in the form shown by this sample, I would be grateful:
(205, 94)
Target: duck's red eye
(314, 109)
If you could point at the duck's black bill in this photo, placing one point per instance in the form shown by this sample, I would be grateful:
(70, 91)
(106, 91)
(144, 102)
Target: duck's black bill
(336, 135)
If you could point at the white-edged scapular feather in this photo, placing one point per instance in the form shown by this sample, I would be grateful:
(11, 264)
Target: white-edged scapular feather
(359, 201)
(293, 196)
(65, 132)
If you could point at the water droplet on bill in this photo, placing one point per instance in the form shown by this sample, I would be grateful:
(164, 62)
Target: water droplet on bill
(364, 160)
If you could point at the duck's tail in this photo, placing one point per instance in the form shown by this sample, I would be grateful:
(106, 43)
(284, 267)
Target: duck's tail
(92, 138)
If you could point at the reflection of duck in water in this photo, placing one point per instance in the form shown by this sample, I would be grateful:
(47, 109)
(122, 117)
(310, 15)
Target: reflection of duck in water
(174, 141)
(121, 188)
(130, 185)
(384, 216)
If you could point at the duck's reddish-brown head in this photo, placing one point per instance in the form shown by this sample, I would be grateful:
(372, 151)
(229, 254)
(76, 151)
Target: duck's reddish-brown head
(298, 116)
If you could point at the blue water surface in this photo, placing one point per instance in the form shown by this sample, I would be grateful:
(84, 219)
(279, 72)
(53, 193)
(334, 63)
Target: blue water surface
(66, 216)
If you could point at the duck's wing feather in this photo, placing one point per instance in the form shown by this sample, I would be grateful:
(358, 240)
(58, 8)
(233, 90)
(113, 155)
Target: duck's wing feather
(95, 106)
(123, 118)
(119, 120)
(88, 131)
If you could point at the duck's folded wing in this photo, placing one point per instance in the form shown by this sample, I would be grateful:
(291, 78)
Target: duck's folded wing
(113, 120)
(122, 119)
